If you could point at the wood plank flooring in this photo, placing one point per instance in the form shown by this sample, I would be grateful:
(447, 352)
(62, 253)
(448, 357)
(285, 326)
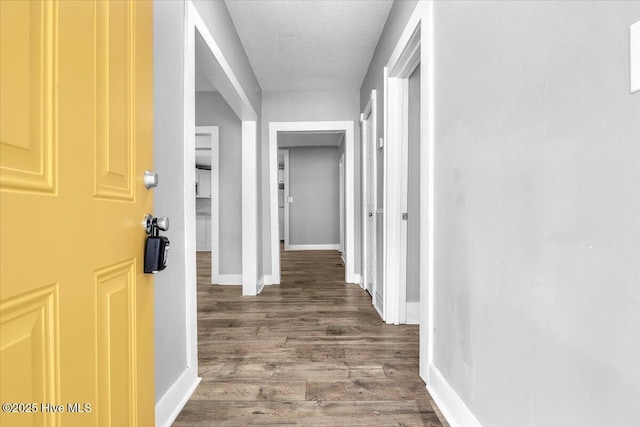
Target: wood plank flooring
(311, 351)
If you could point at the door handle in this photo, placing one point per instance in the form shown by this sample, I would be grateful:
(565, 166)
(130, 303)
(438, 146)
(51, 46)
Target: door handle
(150, 223)
(150, 179)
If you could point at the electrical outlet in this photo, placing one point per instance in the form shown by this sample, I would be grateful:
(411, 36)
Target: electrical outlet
(634, 62)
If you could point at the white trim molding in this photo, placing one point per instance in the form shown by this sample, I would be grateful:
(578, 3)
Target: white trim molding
(450, 404)
(229, 279)
(249, 209)
(327, 247)
(413, 313)
(171, 403)
(397, 72)
(310, 127)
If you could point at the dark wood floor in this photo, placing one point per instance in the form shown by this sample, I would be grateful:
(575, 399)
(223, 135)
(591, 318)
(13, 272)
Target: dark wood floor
(311, 351)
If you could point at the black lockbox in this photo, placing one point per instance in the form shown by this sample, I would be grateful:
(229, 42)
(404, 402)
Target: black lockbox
(155, 254)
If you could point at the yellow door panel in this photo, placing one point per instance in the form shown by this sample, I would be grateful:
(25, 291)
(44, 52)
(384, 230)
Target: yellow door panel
(28, 353)
(115, 288)
(27, 72)
(115, 100)
(76, 310)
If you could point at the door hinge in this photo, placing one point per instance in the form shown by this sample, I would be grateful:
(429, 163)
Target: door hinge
(405, 216)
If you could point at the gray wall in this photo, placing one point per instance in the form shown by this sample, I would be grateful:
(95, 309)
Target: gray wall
(413, 190)
(212, 110)
(170, 311)
(314, 215)
(537, 208)
(307, 106)
(170, 302)
(216, 16)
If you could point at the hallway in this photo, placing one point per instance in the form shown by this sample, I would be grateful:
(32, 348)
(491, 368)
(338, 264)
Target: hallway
(311, 351)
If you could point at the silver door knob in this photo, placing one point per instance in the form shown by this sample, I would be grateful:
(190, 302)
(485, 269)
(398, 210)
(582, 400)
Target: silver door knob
(162, 223)
(150, 179)
(150, 224)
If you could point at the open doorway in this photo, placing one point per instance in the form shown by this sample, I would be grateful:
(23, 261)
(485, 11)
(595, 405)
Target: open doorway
(309, 190)
(176, 298)
(207, 189)
(283, 134)
(408, 180)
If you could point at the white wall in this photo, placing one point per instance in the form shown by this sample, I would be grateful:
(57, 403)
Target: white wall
(537, 212)
(212, 110)
(307, 106)
(314, 215)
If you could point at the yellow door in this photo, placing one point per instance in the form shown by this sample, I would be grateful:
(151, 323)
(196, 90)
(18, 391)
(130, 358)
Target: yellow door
(76, 311)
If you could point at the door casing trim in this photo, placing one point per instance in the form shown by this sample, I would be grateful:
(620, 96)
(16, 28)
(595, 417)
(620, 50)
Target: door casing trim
(414, 46)
(317, 126)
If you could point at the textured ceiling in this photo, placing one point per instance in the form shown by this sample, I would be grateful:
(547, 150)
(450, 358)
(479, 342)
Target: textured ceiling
(309, 44)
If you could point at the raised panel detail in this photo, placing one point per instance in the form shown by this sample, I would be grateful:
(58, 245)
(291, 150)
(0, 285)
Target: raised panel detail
(29, 355)
(28, 58)
(115, 314)
(114, 99)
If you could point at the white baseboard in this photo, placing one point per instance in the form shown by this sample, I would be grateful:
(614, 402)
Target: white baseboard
(268, 279)
(328, 247)
(229, 279)
(169, 406)
(377, 304)
(379, 312)
(358, 279)
(452, 407)
(413, 313)
(260, 284)
(203, 248)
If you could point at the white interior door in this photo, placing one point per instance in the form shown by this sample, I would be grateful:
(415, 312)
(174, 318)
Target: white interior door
(404, 202)
(288, 199)
(369, 208)
(372, 250)
(341, 180)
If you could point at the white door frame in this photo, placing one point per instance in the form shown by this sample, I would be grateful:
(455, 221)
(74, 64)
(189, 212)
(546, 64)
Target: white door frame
(414, 46)
(322, 126)
(213, 131)
(370, 189)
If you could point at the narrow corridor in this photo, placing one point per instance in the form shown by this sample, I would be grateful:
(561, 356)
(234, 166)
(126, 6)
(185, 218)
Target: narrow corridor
(311, 351)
